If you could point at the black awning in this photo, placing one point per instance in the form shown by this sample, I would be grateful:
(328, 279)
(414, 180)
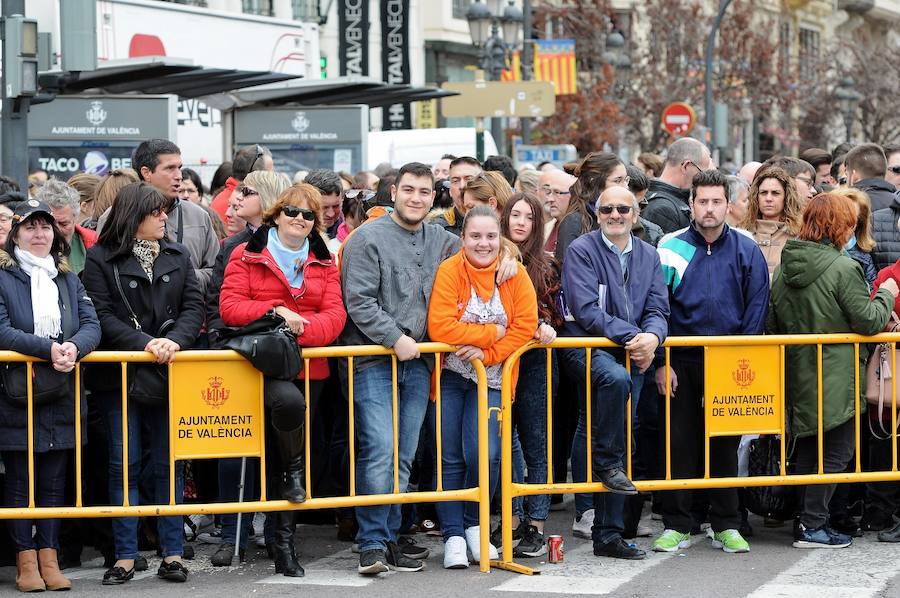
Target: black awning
(323, 92)
(158, 75)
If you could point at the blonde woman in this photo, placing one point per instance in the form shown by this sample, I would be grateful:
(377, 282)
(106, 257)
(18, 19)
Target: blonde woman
(861, 243)
(488, 189)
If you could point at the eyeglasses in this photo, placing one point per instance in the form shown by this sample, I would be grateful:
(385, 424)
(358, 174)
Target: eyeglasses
(607, 210)
(294, 211)
(157, 212)
(895, 169)
(806, 181)
(247, 191)
(621, 181)
(691, 163)
(548, 190)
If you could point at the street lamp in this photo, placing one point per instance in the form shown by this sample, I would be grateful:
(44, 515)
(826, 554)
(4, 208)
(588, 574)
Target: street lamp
(495, 30)
(848, 99)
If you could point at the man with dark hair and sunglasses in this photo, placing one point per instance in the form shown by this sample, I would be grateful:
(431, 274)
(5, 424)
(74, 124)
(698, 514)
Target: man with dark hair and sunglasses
(613, 287)
(718, 285)
(892, 154)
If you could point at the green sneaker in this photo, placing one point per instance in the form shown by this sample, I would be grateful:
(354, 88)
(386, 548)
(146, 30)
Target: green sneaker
(730, 540)
(671, 541)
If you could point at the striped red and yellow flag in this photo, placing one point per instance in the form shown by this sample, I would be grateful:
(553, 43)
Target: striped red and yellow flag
(554, 61)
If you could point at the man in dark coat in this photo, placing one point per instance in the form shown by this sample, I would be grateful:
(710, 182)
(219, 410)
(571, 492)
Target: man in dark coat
(667, 198)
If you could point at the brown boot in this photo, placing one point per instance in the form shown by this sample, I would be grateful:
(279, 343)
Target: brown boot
(27, 577)
(49, 566)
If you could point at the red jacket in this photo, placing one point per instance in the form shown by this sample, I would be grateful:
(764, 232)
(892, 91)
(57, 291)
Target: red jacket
(88, 236)
(892, 271)
(254, 284)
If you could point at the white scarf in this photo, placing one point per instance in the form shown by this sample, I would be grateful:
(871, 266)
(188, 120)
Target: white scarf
(44, 293)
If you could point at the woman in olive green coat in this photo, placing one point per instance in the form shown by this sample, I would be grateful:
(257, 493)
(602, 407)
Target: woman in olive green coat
(819, 289)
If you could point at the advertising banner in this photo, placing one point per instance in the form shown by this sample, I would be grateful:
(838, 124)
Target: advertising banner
(353, 44)
(395, 57)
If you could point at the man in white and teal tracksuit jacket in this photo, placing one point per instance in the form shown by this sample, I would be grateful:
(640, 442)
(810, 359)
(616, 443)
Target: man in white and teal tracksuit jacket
(717, 287)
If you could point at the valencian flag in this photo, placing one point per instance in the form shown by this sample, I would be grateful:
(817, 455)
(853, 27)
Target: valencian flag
(554, 61)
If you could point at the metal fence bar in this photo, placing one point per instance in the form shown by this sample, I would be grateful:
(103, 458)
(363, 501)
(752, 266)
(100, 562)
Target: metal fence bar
(821, 416)
(588, 412)
(396, 424)
(351, 435)
(78, 451)
(856, 406)
(29, 406)
(125, 501)
(549, 416)
(668, 447)
(308, 431)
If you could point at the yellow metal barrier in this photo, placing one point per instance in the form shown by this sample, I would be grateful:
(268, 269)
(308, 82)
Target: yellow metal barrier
(511, 490)
(478, 494)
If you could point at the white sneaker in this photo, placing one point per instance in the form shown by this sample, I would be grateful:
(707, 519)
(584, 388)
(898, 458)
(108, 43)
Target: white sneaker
(455, 553)
(473, 539)
(644, 531)
(581, 528)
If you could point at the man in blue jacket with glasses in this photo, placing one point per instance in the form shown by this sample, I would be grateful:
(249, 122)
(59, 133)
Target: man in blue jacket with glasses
(613, 287)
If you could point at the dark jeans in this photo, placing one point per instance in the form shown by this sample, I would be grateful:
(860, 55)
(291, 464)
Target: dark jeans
(169, 529)
(882, 498)
(530, 418)
(687, 437)
(49, 488)
(611, 385)
(837, 446)
(459, 448)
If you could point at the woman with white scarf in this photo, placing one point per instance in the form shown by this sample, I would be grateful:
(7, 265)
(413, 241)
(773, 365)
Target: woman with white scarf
(44, 313)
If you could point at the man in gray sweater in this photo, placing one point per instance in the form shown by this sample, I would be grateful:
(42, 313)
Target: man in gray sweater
(387, 270)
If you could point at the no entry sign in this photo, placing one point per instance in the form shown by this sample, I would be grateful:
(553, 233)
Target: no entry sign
(678, 118)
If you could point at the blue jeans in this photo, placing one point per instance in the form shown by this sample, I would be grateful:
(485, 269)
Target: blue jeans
(611, 385)
(530, 417)
(373, 406)
(459, 449)
(49, 491)
(169, 529)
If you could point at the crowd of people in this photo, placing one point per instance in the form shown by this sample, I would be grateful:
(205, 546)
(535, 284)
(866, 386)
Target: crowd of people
(477, 255)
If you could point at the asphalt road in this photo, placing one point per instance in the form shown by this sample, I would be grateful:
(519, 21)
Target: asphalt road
(773, 568)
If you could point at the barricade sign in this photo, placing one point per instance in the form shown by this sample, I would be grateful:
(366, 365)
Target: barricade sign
(744, 393)
(216, 409)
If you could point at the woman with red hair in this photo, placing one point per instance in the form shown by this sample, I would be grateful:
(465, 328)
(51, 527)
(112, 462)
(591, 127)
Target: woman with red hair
(819, 289)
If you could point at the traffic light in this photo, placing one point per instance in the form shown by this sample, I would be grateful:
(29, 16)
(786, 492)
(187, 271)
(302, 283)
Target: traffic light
(20, 50)
(323, 67)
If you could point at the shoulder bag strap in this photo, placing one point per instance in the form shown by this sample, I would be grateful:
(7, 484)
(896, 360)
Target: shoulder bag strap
(179, 232)
(134, 320)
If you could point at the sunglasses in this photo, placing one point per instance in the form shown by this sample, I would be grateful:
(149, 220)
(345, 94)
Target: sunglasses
(895, 169)
(294, 211)
(607, 210)
(247, 191)
(367, 194)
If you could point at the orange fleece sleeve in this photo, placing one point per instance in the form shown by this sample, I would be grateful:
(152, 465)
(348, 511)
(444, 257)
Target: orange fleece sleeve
(520, 303)
(443, 312)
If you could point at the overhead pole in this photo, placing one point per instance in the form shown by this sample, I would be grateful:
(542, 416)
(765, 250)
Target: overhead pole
(708, 77)
(14, 117)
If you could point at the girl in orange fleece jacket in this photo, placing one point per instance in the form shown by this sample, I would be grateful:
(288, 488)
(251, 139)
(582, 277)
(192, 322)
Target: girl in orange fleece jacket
(486, 322)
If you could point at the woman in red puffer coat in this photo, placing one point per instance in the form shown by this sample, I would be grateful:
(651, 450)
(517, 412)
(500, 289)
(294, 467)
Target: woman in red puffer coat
(287, 268)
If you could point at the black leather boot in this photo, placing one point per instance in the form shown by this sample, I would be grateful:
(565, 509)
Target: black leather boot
(283, 548)
(291, 447)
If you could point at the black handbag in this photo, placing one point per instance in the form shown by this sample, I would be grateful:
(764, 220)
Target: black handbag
(47, 384)
(148, 383)
(268, 344)
(774, 502)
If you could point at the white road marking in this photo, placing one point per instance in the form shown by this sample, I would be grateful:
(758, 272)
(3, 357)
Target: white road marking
(862, 571)
(583, 573)
(322, 577)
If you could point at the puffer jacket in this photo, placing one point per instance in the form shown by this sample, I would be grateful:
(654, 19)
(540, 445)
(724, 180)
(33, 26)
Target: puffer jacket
(667, 206)
(816, 290)
(54, 424)
(254, 284)
(886, 232)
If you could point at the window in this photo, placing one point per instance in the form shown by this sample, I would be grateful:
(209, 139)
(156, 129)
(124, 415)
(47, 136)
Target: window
(784, 45)
(305, 10)
(460, 7)
(258, 7)
(809, 52)
(201, 3)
